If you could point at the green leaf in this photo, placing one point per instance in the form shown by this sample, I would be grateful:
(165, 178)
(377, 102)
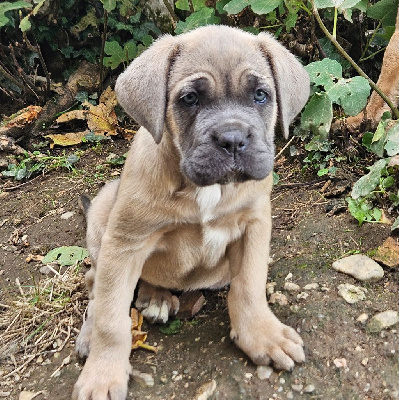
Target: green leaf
(109, 5)
(25, 24)
(262, 7)
(351, 94)
(8, 6)
(341, 4)
(332, 53)
(276, 178)
(205, 16)
(171, 328)
(236, 6)
(66, 255)
(384, 10)
(324, 73)
(220, 6)
(317, 115)
(395, 225)
(392, 142)
(367, 183)
(184, 5)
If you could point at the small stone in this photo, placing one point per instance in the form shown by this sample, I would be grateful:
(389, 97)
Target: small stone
(290, 395)
(67, 215)
(288, 277)
(360, 267)
(350, 293)
(248, 375)
(278, 298)
(340, 362)
(309, 389)
(365, 361)
(206, 391)
(270, 287)
(388, 253)
(264, 372)
(291, 287)
(143, 379)
(190, 304)
(311, 286)
(382, 320)
(302, 296)
(297, 388)
(362, 318)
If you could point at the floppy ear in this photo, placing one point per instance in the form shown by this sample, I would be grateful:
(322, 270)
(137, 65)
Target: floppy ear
(141, 88)
(291, 80)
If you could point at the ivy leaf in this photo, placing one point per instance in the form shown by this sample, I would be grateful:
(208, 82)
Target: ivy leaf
(66, 255)
(109, 5)
(205, 16)
(324, 73)
(117, 54)
(392, 143)
(351, 94)
(236, 6)
(7, 6)
(171, 328)
(384, 10)
(317, 115)
(262, 7)
(367, 183)
(185, 6)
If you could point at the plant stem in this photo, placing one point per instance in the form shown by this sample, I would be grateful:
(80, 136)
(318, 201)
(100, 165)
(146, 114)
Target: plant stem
(103, 39)
(395, 111)
(335, 22)
(172, 13)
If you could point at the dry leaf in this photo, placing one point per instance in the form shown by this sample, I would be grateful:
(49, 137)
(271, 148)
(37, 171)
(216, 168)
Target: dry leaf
(138, 336)
(67, 139)
(71, 115)
(18, 120)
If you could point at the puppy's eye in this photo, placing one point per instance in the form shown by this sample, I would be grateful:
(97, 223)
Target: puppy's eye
(260, 96)
(190, 99)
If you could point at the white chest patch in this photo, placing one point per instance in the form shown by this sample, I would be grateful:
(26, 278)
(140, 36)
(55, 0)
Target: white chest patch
(207, 199)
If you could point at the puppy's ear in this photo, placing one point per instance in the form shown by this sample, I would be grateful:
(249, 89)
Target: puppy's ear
(291, 80)
(141, 88)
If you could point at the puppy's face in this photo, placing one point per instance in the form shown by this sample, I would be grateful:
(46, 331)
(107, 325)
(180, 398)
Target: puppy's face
(222, 112)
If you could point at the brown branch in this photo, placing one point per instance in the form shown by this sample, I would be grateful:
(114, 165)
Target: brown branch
(172, 13)
(11, 77)
(395, 111)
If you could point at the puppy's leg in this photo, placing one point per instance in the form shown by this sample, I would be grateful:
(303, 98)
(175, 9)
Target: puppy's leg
(106, 372)
(254, 328)
(156, 304)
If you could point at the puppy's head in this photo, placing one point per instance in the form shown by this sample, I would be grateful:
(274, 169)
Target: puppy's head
(218, 91)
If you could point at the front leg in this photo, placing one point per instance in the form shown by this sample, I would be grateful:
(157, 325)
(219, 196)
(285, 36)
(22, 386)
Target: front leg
(254, 327)
(106, 372)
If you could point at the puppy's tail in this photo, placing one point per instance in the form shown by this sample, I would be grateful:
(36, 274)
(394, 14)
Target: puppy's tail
(84, 204)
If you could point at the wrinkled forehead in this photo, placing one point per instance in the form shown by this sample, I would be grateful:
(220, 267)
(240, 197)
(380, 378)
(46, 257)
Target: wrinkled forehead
(233, 61)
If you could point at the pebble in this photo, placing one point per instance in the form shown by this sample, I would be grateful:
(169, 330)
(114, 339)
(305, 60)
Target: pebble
(143, 379)
(388, 253)
(297, 388)
(302, 295)
(360, 267)
(311, 286)
(270, 287)
(309, 389)
(264, 372)
(340, 362)
(362, 318)
(291, 287)
(67, 215)
(382, 320)
(206, 390)
(350, 293)
(278, 298)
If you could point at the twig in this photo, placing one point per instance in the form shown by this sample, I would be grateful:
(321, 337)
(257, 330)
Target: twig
(20, 367)
(282, 150)
(395, 111)
(11, 77)
(103, 39)
(190, 2)
(175, 18)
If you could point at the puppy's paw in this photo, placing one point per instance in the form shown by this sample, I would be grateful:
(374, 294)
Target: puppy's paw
(102, 380)
(82, 346)
(270, 342)
(156, 304)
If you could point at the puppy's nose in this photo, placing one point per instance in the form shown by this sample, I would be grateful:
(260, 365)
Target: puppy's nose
(233, 141)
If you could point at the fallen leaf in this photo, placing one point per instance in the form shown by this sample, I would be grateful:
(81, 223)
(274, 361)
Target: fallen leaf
(20, 119)
(71, 115)
(138, 336)
(67, 139)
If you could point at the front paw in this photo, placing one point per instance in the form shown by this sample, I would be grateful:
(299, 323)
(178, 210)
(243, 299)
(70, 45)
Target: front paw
(102, 380)
(269, 341)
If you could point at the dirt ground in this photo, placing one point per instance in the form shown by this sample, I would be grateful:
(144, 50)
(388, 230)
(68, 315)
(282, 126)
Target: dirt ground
(306, 240)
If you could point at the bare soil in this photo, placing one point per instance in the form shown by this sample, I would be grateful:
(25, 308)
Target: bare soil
(306, 240)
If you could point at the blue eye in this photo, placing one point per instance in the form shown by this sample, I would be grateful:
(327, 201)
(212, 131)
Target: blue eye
(190, 99)
(260, 96)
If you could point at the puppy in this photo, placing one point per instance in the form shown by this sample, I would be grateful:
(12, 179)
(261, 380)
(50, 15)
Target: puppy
(192, 207)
